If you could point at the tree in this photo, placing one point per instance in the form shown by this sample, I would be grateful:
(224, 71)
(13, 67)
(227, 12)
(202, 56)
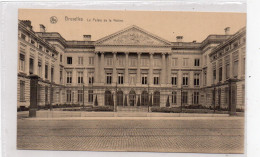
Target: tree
(151, 101)
(138, 101)
(168, 102)
(125, 102)
(96, 101)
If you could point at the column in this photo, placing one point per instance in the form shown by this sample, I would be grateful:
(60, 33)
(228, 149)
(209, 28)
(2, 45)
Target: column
(114, 68)
(151, 68)
(179, 79)
(240, 61)
(96, 64)
(27, 62)
(43, 68)
(217, 72)
(231, 66)
(138, 67)
(191, 79)
(126, 67)
(163, 69)
(169, 65)
(35, 64)
(102, 71)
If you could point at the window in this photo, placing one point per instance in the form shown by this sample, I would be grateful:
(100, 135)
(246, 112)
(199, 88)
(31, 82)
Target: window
(214, 74)
(220, 74)
(205, 77)
(90, 96)
(174, 79)
(22, 91)
(185, 62)
(144, 62)
(184, 97)
(91, 78)
(22, 62)
(197, 62)
(185, 79)
(61, 76)
(31, 66)
(80, 60)
(52, 54)
(40, 47)
(23, 36)
(120, 78)
(174, 97)
(235, 69)
(227, 71)
(243, 66)
(69, 60)
(133, 62)
(144, 79)
(39, 68)
(205, 60)
(46, 71)
(157, 62)
(69, 77)
(156, 80)
(196, 79)
(60, 58)
(109, 61)
(174, 62)
(132, 78)
(109, 78)
(80, 95)
(80, 77)
(52, 74)
(32, 42)
(69, 96)
(121, 61)
(91, 60)
(196, 98)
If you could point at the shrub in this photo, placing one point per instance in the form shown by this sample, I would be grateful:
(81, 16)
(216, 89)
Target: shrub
(166, 109)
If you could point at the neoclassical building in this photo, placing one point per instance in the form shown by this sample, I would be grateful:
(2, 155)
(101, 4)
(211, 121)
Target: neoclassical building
(132, 67)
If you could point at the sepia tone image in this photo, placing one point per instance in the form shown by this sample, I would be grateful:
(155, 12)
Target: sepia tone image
(150, 81)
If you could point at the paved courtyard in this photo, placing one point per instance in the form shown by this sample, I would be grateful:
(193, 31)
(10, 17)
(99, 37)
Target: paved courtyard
(177, 134)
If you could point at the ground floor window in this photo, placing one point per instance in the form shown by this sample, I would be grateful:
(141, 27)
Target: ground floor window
(132, 98)
(185, 97)
(80, 95)
(22, 91)
(156, 98)
(144, 98)
(196, 98)
(90, 96)
(68, 95)
(174, 97)
(108, 98)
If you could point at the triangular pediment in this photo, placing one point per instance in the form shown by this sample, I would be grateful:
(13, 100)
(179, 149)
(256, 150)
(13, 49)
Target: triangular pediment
(133, 36)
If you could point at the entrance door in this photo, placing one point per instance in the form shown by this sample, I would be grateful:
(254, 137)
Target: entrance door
(132, 98)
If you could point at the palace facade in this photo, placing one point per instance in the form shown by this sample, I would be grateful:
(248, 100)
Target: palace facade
(132, 65)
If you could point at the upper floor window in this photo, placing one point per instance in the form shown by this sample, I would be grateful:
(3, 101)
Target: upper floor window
(91, 60)
(120, 78)
(220, 74)
(39, 68)
(121, 61)
(109, 61)
(61, 58)
(109, 78)
(197, 62)
(185, 79)
(214, 74)
(157, 62)
(23, 36)
(174, 62)
(91, 78)
(46, 71)
(196, 79)
(80, 60)
(133, 62)
(156, 80)
(80, 77)
(144, 79)
(69, 77)
(185, 62)
(69, 60)
(32, 42)
(174, 79)
(144, 62)
(22, 62)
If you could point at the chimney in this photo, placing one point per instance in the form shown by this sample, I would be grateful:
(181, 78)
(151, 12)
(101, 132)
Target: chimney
(179, 38)
(42, 28)
(87, 37)
(227, 30)
(28, 23)
(194, 41)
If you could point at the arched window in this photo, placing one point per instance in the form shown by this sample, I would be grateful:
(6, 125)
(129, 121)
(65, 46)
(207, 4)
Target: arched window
(132, 98)
(108, 98)
(120, 98)
(156, 98)
(144, 98)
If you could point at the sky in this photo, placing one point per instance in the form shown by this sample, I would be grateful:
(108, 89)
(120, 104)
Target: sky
(167, 25)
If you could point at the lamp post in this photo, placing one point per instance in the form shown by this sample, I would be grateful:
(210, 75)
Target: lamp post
(181, 98)
(83, 96)
(148, 98)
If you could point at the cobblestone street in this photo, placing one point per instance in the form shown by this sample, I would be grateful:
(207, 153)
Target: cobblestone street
(204, 135)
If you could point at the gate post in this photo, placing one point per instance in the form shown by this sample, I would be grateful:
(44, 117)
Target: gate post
(232, 96)
(33, 95)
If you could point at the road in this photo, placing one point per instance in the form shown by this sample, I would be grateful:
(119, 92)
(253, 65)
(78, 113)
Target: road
(201, 135)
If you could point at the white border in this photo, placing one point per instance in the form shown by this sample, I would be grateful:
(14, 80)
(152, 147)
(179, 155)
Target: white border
(9, 65)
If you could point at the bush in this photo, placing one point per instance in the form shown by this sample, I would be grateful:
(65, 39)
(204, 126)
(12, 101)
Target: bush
(22, 108)
(103, 108)
(166, 109)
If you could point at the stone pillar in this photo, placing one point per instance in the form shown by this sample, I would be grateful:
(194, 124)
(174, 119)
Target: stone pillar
(49, 71)
(126, 67)
(163, 76)
(169, 65)
(138, 67)
(231, 66)
(102, 71)
(33, 95)
(27, 62)
(179, 79)
(35, 64)
(114, 68)
(96, 79)
(239, 69)
(43, 68)
(151, 68)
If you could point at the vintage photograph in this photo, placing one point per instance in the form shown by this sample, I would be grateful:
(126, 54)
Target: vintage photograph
(138, 81)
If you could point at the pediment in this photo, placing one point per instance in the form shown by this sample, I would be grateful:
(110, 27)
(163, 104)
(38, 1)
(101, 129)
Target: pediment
(133, 36)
